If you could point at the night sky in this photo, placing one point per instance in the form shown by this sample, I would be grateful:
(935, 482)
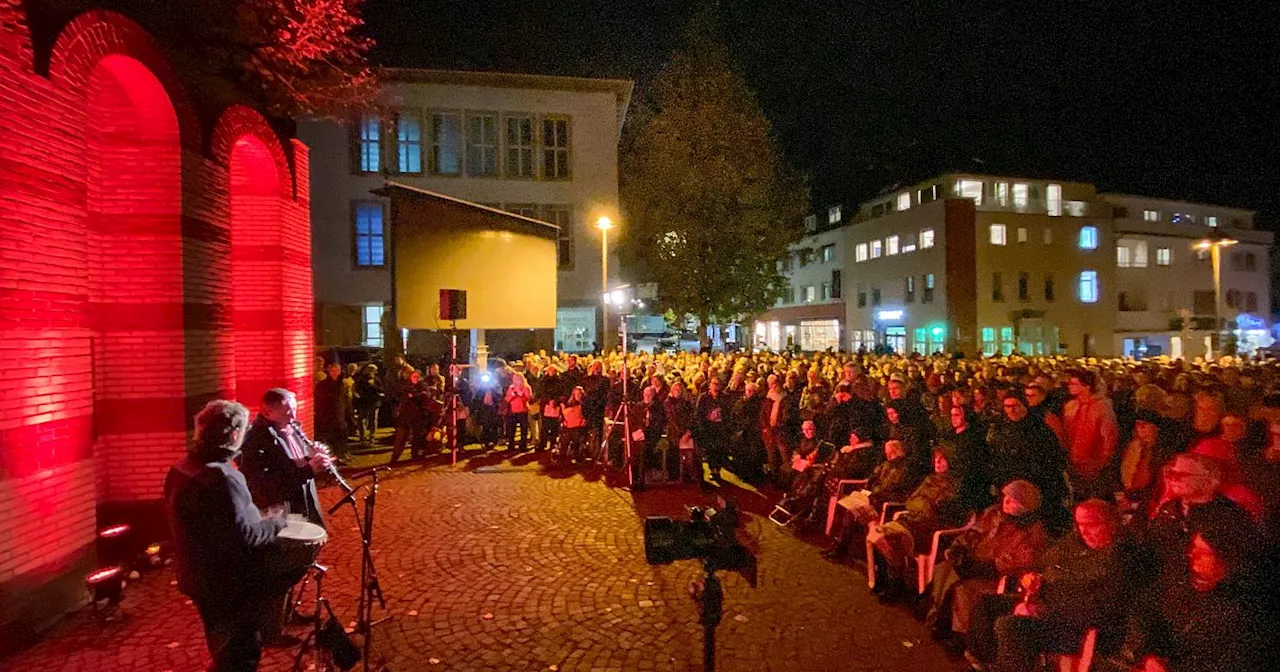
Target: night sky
(1170, 98)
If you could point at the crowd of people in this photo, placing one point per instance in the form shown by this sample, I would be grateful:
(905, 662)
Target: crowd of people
(1137, 501)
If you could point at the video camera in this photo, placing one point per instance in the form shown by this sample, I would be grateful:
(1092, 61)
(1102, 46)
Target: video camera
(708, 535)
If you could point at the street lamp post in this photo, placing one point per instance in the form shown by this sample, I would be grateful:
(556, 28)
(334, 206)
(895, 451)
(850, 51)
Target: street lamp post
(604, 224)
(1214, 244)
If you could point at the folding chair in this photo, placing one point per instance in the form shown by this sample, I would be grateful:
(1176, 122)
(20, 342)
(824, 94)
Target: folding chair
(899, 508)
(844, 486)
(925, 563)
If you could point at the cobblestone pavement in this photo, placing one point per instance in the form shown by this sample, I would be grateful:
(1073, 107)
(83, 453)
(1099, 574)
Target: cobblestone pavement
(505, 565)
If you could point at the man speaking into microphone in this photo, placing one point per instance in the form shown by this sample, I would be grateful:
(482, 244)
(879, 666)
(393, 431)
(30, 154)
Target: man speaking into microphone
(278, 462)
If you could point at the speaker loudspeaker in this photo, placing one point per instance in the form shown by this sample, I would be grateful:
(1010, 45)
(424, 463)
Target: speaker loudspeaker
(453, 304)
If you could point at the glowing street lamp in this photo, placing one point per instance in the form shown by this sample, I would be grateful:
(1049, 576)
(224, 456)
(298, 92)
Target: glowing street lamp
(1213, 245)
(604, 224)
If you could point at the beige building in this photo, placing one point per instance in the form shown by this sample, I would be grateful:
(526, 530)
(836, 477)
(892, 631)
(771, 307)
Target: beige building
(1168, 254)
(997, 265)
(539, 146)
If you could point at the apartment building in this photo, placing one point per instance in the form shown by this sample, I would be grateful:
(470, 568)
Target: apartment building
(811, 312)
(1168, 254)
(539, 146)
(998, 265)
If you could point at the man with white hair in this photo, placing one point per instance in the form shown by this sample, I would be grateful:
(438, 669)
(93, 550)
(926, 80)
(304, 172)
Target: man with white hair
(220, 537)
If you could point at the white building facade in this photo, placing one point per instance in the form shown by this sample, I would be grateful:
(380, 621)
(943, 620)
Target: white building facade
(998, 265)
(539, 146)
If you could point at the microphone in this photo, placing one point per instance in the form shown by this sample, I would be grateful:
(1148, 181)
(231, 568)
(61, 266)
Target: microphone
(347, 498)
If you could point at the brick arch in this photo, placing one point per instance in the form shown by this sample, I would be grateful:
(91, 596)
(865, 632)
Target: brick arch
(15, 36)
(93, 36)
(239, 121)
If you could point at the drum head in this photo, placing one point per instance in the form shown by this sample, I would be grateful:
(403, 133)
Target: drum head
(303, 531)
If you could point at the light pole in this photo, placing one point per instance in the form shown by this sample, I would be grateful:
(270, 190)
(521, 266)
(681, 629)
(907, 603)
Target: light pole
(1214, 244)
(604, 224)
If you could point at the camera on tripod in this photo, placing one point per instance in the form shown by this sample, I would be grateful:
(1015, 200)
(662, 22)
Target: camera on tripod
(708, 535)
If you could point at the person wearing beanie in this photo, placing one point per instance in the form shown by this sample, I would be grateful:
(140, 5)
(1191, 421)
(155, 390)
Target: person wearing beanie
(1008, 538)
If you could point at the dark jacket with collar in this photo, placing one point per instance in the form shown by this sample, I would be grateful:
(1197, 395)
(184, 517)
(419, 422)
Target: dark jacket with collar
(219, 536)
(272, 476)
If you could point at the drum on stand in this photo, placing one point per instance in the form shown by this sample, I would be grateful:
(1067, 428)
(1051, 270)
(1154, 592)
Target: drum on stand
(297, 546)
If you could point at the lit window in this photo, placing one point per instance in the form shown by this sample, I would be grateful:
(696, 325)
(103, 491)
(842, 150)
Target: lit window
(927, 195)
(1088, 237)
(918, 342)
(877, 247)
(891, 245)
(826, 291)
(519, 146)
(988, 341)
(409, 144)
(1074, 208)
(1140, 254)
(998, 234)
(1124, 257)
(1164, 256)
(1022, 234)
(370, 235)
(904, 201)
(555, 148)
(926, 239)
(373, 325)
(482, 145)
(370, 149)
(828, 253)
(1211, 221)
(1053, 200)
(928, 289)
(1183, 218)
(1002, 193)
(446, 144)
(810, 294)
(1048, 236)
(1006, 341)
(1021, 195)
(860, 252)
(1089, 287)
(833, 214)
(1151, 215)
(970, 189)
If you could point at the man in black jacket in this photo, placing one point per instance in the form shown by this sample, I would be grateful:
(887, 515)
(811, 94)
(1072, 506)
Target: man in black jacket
(276, 463)
(220, 538)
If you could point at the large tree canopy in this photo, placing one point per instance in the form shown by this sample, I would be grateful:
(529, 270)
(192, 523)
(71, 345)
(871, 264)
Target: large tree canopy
(709, 205)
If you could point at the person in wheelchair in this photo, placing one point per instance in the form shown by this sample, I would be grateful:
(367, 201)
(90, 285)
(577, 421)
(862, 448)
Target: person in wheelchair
(812, 462)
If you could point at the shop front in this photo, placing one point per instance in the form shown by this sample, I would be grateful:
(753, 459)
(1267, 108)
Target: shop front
(810, 327)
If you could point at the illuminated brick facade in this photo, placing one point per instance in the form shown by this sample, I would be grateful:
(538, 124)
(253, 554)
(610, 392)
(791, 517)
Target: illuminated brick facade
(151, 259)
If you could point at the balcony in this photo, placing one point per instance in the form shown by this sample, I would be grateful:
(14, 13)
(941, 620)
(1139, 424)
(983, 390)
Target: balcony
(1034, 206)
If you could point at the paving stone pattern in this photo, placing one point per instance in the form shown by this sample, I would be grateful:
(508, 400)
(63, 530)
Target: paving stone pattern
(511, 567)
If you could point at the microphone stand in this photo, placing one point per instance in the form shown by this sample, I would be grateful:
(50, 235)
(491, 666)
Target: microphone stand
(370, 588)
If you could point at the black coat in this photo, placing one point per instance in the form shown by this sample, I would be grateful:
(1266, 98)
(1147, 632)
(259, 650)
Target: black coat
(219, 536)
(272, 476)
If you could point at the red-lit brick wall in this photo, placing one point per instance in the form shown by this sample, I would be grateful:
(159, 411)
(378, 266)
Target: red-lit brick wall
(133, 242)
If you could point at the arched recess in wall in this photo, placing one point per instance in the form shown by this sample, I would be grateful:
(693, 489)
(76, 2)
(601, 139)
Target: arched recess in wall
(135, 281)
(270, 257)
(256, 261)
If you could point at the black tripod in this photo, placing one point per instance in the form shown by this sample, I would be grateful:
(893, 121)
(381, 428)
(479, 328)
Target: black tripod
(710, 600)
(313, 638)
